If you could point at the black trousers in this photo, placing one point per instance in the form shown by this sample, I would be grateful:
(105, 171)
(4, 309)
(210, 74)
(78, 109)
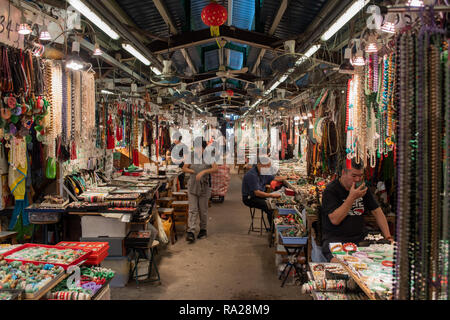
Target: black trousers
(181, 179)
(259, 203)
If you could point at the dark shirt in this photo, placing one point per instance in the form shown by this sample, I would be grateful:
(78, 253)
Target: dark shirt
(254, 181)
(352, 228)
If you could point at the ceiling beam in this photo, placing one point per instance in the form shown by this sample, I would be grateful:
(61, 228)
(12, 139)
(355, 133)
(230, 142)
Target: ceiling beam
(107, 58)
(165, 15)
(195, 38)
(124, 32)
(168, 20)
(272, 29)
(121, 15)
(219, 89)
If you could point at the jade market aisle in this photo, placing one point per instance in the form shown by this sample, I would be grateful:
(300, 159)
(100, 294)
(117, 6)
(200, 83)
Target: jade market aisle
(228, 264)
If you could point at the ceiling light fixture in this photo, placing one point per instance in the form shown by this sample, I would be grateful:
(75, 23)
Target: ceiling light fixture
(94, 18)
(346, 66)
(415, 3)
(344, 18)
(106, 92)
(74, 62)
(359, 59)
(388, 26)
(136, 53)
(97, 50)
(156, 70)
(24, 28)
(45, 35)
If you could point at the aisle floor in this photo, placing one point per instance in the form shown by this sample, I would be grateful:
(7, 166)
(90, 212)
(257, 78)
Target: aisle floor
(228, 264)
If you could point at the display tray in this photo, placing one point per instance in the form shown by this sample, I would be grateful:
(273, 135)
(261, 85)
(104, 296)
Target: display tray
(16, 294)
(46, 204)
(287, 211)
(125, 196)
(28, 245)
(131, 190)
(35, 207)
(48, 286)
(86, 206)
(137, 238)
(290, 240)
(96, 294)
(122, 210)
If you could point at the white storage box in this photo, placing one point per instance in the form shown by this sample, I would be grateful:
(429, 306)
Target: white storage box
(97, 226)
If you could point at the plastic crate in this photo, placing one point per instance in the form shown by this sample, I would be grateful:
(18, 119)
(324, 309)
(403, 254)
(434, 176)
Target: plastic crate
(64, 266)
(290, 240)
(138, 239)
(99, 250)
(287, 211)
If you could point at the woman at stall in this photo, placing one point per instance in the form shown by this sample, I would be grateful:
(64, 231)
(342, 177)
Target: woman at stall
(199, 189)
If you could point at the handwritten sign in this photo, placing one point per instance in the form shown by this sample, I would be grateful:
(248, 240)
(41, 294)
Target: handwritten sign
(9, 25)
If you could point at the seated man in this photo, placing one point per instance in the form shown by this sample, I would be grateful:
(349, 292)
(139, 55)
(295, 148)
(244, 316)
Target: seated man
(344, 202)
(254, 186)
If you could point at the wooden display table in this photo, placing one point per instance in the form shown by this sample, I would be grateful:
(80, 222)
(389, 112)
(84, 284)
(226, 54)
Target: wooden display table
(358, 281)
(8, 235)
(44, 292)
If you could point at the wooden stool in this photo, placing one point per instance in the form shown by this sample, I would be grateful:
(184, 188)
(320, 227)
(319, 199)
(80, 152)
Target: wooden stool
(181, 212)
(172, 230)
(180, 196)
(164, 202)
(146, 252)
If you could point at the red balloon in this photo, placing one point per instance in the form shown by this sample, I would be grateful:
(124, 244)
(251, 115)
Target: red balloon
(214, 15)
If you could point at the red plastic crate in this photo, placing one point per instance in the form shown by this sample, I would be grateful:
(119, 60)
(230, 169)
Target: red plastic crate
(99, 249)
(64, 266)
(98, 259)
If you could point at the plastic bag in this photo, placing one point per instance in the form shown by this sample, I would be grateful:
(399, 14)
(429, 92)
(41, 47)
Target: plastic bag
(316, 252)
(162, 236)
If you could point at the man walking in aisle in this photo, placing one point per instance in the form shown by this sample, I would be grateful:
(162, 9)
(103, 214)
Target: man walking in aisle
(199, 189)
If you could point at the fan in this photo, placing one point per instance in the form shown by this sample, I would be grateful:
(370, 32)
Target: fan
(168, 77)
(287, 60)
(181, 93)
(258, 90)
(280, 101)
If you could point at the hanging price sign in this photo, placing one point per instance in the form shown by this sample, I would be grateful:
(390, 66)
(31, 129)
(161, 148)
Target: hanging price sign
(9, 25)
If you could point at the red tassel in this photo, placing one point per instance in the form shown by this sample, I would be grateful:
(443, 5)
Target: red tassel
(73, 151)
(136, 157)
(348, 162)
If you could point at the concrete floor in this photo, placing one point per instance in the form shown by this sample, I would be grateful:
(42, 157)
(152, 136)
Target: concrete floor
(229, 264)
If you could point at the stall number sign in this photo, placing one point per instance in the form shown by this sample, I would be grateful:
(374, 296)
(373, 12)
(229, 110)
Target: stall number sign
(9, 25)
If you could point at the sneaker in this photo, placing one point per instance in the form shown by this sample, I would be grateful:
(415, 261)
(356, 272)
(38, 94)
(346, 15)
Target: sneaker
(190, 237)
(201, 234)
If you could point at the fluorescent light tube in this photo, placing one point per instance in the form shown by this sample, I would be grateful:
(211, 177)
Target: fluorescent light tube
(156, 70)
(136, 53)
(106, 92)
(344, 18)
(94, 18)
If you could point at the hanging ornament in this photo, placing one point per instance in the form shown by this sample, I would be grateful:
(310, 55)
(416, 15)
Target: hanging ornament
(214, 15)
(230, 93)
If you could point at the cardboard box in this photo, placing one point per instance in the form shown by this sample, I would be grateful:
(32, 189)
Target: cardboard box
(98, 226)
